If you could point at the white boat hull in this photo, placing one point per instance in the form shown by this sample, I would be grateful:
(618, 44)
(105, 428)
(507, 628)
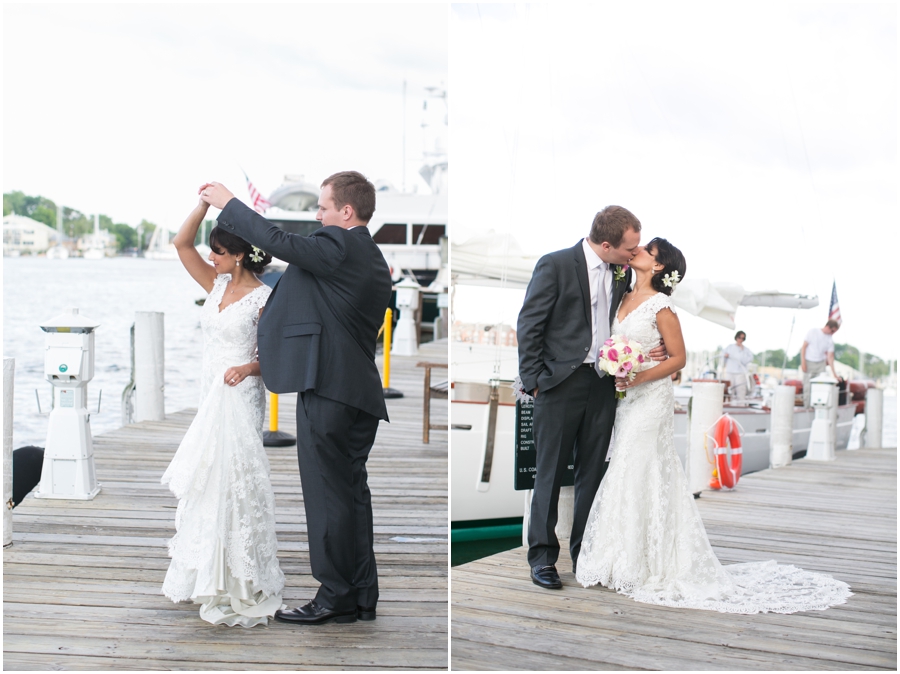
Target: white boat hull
(473, 498)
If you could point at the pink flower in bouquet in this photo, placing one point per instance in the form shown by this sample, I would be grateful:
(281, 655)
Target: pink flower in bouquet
(621, 358)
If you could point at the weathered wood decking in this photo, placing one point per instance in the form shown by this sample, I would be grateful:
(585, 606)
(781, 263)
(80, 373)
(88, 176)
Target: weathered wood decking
(81, 583)
(839, 518)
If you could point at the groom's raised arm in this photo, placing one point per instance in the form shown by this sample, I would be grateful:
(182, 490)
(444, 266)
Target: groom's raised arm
(540, 298)
(320, 255)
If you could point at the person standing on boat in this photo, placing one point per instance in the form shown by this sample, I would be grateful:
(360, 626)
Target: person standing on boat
(737, 358)
(567, 313)
(317, 337)
(816, 354)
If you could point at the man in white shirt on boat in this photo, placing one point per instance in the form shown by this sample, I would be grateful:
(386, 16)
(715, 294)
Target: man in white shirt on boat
(816, 354)
(737, 358)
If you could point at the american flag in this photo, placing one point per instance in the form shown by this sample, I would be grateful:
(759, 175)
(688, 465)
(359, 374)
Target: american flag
(834, 311)
(260, 203)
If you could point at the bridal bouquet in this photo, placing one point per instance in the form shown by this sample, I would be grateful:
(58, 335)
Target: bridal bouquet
(621, 358)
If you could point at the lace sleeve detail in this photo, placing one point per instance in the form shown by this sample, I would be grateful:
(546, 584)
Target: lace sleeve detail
(659, 302)
(261, 296)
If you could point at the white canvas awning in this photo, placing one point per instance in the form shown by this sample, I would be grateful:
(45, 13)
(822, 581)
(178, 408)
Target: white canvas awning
(497, 260)
(493, 260)
(718, 302)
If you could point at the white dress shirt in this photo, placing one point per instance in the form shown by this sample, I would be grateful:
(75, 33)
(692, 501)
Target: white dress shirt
(738, 359)
(598, 271)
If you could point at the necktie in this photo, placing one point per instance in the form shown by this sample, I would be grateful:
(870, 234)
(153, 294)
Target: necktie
(601, 320)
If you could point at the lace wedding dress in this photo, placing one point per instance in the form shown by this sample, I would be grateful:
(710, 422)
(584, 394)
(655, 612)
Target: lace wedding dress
(644, 536)
(223, 551)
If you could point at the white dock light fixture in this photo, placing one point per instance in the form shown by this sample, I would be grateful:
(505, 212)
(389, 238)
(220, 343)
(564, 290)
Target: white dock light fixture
(823, 398)
(68, 471)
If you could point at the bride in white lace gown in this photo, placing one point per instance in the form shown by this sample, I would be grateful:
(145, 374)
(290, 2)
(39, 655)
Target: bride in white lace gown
(224, 549)
(644, 536)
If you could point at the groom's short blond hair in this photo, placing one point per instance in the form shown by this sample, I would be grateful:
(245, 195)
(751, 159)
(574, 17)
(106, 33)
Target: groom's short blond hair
(611, 223)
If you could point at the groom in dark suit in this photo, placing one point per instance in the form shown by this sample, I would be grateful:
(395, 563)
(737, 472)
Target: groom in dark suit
(317, 337)
(567, 315)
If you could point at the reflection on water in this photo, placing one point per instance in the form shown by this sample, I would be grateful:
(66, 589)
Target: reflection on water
(108, 291)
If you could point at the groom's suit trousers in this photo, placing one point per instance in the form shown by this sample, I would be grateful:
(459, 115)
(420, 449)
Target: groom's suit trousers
(333, 444)
(578, 412)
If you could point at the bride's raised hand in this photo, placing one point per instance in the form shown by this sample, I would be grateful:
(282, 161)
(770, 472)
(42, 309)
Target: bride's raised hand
(215, 194)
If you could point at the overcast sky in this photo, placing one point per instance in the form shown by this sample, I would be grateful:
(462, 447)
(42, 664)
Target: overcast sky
(127, 109)
(760, 139)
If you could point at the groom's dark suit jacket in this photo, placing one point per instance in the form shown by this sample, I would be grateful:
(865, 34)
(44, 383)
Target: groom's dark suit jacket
(320, 324)
(554, 327)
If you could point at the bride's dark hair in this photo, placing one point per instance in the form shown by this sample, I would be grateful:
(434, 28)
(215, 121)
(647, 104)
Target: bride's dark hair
(221, 240)
(671, 259)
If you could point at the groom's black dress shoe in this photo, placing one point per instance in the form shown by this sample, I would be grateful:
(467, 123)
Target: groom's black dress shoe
(365, 612)
(546, 577)
(313, 614)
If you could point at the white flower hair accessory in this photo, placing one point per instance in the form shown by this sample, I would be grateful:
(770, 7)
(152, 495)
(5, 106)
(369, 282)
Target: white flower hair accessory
(671, 280)
(257, 254)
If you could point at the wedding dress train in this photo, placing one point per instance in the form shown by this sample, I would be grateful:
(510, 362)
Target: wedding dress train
(644, 536)
(224, 549)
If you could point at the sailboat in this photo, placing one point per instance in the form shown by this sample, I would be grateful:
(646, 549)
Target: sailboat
(96, 249)
(159, 247)
(483, 423)
(58, 251)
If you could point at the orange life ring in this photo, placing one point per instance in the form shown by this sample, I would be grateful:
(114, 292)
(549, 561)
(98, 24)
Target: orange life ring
(729, 472)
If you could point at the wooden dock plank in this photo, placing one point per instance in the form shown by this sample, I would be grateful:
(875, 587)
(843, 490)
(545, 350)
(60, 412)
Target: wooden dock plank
(838, 517)
(82, 581)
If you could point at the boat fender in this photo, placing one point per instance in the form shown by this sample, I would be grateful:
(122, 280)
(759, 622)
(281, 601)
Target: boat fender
(727, 473)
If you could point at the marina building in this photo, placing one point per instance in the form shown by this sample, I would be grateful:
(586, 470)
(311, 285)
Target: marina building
(24, 235)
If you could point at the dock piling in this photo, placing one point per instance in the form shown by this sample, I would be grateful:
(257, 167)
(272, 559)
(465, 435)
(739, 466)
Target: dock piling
(874, 417)
(9, 369)
(705, 408)
(149, 366)
(781, 438)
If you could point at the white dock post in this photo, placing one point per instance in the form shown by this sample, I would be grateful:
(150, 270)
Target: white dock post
(705, 408)
(149, 366)
(781, 447)
(874, 417)
(405, 340)
(566, 512)
(9, 369)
